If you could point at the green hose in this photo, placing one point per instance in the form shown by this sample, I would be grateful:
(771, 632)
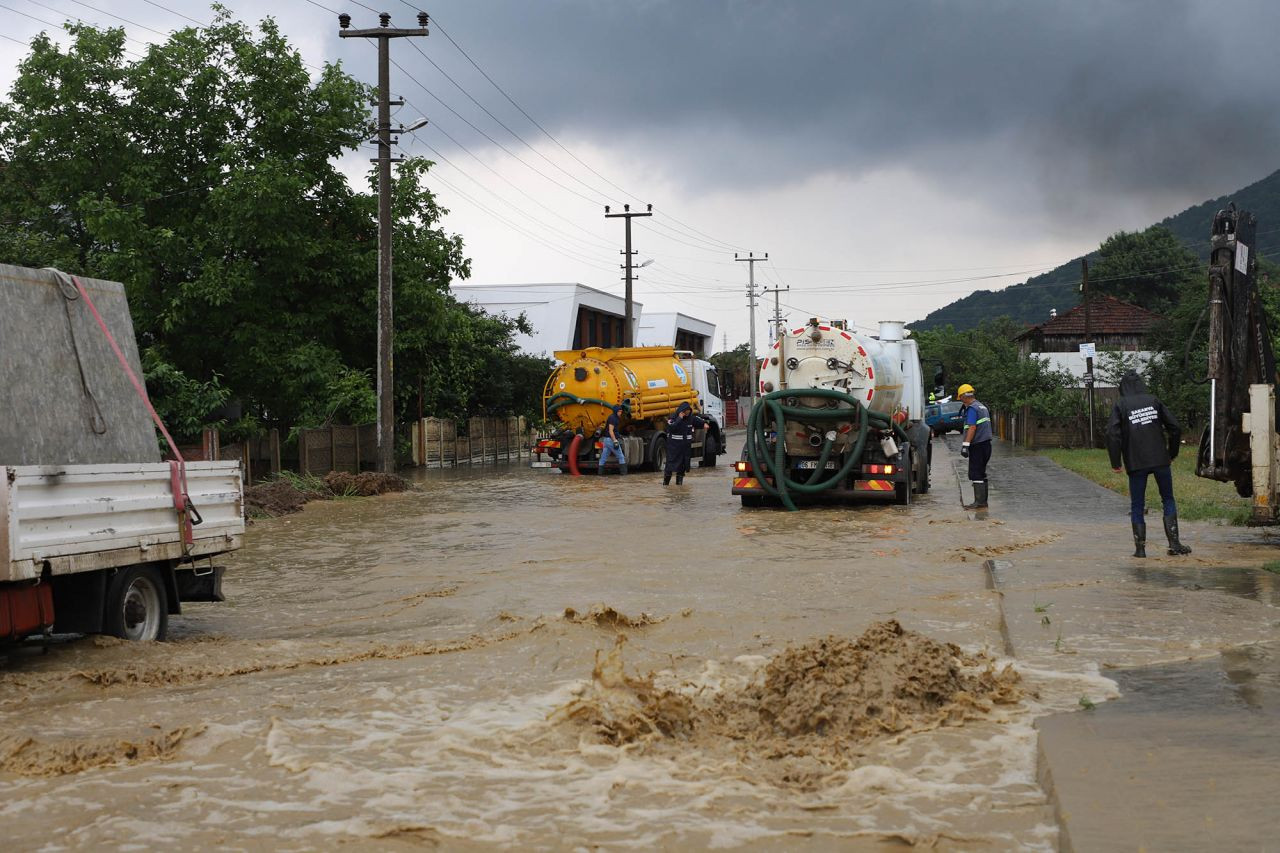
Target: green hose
(758, 439)
(564, 398)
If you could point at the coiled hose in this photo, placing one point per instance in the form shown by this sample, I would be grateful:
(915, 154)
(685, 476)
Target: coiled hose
(770, 414)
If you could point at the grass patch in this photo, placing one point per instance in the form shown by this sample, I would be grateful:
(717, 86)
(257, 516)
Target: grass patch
(1272, 566)
(1198, 499)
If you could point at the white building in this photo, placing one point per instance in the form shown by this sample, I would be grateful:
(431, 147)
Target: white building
(567, 315)
(673, 329)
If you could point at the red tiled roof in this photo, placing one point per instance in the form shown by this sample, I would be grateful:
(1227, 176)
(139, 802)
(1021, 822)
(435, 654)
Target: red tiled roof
(1107, 316)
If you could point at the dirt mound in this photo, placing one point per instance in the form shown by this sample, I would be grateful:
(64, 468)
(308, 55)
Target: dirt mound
(806, 709)
(289, 494)
(281, 497)
(365, 484)
(605, 616)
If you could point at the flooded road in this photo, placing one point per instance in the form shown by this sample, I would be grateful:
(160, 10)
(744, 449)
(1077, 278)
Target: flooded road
(444, 667)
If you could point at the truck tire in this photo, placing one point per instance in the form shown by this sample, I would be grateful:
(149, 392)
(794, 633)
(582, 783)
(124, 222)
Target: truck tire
(659, 454)
(902, 488)
(925, 468)
(137, 607)
(709, 450)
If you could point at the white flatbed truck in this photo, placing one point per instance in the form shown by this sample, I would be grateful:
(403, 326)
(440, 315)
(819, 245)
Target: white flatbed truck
(97, 535)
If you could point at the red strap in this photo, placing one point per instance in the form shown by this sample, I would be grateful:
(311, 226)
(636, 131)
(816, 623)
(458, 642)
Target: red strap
(178, 465)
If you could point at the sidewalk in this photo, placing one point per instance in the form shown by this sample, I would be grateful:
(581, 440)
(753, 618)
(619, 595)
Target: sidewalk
(1188, 758)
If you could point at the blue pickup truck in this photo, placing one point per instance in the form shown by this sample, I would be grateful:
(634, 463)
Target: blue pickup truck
(944, 417)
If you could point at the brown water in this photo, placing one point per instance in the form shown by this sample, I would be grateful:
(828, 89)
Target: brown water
(444, 666)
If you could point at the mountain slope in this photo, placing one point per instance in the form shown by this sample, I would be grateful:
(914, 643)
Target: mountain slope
(1059, 288)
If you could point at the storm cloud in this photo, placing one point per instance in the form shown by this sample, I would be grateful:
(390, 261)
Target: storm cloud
(1083, 98)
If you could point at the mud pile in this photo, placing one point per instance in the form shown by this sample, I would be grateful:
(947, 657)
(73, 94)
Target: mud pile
(812, 704)
(364, 485)
(283, 496)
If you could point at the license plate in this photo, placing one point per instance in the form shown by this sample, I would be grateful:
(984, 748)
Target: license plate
(812, 465)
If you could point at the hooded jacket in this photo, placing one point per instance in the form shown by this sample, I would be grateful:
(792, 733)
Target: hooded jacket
(1141, 429)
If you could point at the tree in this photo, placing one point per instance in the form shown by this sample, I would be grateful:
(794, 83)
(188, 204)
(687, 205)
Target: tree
(1150, 268)
(988, 359)
(734, 369)
(204, 176)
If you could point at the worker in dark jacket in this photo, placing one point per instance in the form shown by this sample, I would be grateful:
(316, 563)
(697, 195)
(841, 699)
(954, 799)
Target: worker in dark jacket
(679, 439)
(1147, 436)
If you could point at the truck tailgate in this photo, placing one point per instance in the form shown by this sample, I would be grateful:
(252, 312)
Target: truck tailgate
(80, 518)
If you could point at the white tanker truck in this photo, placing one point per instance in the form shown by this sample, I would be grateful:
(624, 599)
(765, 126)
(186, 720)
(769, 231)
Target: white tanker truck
(840, 415)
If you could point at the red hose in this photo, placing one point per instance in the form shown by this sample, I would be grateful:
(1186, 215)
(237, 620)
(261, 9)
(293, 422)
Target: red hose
(573, 456)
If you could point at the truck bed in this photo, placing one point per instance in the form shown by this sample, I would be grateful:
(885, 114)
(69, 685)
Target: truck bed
(79, 518)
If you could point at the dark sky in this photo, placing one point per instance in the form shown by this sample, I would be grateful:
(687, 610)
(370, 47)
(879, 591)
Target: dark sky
(950, 145)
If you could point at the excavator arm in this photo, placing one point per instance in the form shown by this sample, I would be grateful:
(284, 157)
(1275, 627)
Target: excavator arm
(1239, 443)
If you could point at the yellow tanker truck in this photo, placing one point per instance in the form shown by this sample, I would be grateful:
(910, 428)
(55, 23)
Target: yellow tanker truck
(649, 383)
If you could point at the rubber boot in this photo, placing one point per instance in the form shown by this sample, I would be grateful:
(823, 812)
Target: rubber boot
(666, 478)
(979, 497)
(1176, 548)
(623, 469)
(1139, 538)
(680, 479)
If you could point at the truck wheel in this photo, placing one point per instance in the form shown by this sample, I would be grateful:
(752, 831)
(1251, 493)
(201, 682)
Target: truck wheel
(659, 454)
(137, 607)
(709, 450)
(902, 488)
(925, 469)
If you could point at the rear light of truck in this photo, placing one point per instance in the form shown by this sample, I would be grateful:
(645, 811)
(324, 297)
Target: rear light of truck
(548, 444)
(878, 469)
(742, 466)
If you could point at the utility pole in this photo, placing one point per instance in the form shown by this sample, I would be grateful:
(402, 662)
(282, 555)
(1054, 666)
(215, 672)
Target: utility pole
(386, 384)
(751, 261)
(777, 310)
(627, 215)
(1088, 362)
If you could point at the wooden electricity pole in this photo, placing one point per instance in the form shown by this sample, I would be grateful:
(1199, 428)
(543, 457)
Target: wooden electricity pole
(386, 462)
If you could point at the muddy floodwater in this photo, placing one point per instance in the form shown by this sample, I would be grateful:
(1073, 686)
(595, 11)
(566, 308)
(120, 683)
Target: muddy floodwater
(512, 657)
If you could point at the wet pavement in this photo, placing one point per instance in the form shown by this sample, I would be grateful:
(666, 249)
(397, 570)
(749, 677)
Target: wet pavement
(395, 672)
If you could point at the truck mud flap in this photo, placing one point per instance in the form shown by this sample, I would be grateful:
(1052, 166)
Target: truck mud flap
(25, 609)
(206, 585)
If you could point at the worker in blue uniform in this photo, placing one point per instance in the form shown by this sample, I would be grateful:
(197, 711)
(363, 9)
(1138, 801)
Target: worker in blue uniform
(976, 446)
(679, 441)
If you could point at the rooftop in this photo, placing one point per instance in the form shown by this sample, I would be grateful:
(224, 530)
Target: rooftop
(1107, 316)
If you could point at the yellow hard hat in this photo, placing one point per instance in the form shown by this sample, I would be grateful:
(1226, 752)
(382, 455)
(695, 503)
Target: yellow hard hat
(964, 389)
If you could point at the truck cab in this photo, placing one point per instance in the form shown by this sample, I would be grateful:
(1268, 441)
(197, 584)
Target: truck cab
(706, 381)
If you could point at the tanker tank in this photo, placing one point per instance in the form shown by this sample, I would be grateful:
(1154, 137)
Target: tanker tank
(840, 415)
(650, 383)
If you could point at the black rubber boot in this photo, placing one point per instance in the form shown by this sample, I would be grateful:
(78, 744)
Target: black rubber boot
(666, 478)
(623, 469)
(1139, 539)
(979, 497)
(680, 479)
(1176, 548)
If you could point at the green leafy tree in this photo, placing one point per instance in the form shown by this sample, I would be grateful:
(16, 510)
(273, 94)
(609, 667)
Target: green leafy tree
(988, 359)
(1151, 268)
(204, 176)
(734, 369)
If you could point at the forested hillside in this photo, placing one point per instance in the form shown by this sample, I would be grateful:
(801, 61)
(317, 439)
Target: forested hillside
(1030, 301)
